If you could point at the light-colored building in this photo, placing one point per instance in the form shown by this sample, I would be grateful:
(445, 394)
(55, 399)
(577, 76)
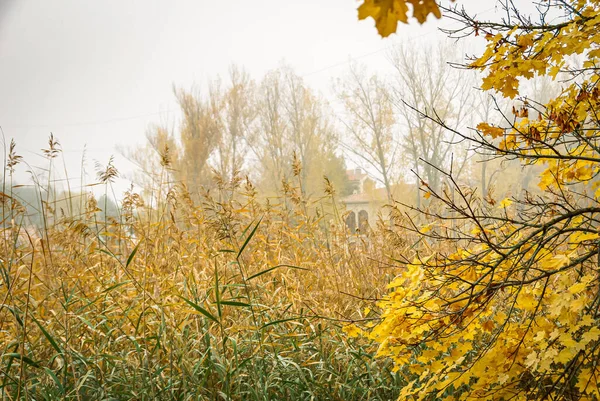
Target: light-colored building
(365, 204)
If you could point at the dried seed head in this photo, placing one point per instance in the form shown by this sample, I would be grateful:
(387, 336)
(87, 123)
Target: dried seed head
(165, 156)
(13, 157)
(107, 174)
(329, 189)
(296, 165)
(53, 147)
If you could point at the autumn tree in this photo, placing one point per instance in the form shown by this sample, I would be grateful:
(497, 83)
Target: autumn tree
(237, 128)
(268, 144)
(500, 177)
(314, 137)
(370, 123)
(506, 306)
(236, 113)
(424, 80)
(157, 160)
(210, 137)
(292, 123)
(200, 133)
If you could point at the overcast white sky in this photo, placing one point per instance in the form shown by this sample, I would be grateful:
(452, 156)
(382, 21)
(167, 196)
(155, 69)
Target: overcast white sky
(97, 73)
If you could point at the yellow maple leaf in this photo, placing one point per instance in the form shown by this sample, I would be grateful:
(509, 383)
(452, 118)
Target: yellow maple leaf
(525, 40)
(576, 288)
(503, 378)
(539, 336)
(425, 229)
(581, 285)
(564, 356)
(556, 261)
(532, 360)
(488, 325)
(547, 179)
(490, 130)
(585, 236)
(567, 340)
(352, 331)
(387, 13)
(586, 320)
(591, 335)
(547, 358)
(422, 8)
(526, 301)
(584, 173)
(584, 378)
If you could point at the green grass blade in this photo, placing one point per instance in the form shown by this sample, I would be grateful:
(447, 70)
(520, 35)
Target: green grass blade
(274, 322)
(15, 313)
(234, 303)
(200, 309)
(109, 289)
(248, 239)
(217, 293)
(47, 335)
(27, 360)
(109, 253)
(132, 254)
(55, 380)
(273, 268)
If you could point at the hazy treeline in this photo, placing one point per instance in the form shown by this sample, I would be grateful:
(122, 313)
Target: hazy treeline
(262, 129)
(246, 128)
(280, 133)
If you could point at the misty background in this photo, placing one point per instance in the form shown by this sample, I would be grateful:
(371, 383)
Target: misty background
(97, 74)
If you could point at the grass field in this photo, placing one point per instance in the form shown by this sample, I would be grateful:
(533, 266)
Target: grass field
(180, 297)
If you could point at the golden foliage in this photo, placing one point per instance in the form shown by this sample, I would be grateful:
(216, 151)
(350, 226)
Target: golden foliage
(387, 13)
(180, 292)
(505, 304)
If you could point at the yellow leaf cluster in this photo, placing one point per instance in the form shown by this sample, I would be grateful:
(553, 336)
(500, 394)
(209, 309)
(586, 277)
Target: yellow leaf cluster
(513, 307)
(352, 330)
(421, 330)
(387, 13)
(523, 53)
(490, 130)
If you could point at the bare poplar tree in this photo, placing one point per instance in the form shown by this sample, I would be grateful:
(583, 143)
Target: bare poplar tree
(424, 80)
(236, 115)
(369, 120)
(200, 133)
(268, 142)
